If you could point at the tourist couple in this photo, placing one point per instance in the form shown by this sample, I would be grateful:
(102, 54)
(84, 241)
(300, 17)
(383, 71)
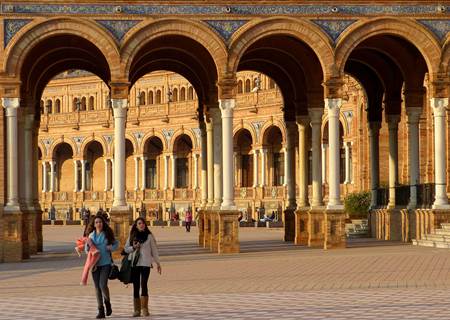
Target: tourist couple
(140, 246)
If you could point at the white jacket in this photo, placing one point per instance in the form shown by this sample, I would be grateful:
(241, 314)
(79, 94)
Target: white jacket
(148, 252)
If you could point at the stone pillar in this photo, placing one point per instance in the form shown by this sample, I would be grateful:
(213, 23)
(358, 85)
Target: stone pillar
(11, 106)
(226, 108)
(255, 168)
(324, 162)
(316, 122)
(195, 171)
(106, 174)
(334, 106)
(439, 106)
(263, 155)
(210, 161)
(75, 175)
(136, 173)
(374, 135)
(413, 153)
(217, 122)
(112, 174)
(120, 114)
(166, 172)
(28, 175)
(143, 173)
(173, 183)
(347, 162)
(302, 122)
(44, 176)
(290, 165)
(392, 121)
(204, 166)
(83, 175)
(52, 175)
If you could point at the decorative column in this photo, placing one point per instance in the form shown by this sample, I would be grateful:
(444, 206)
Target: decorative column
(255, 168)
(143, 173)
(316, 122)
(136, 173)
(11, 106)
(52, 175)
(75, 175)
(210, 160)
(413, 153)
(83, 175)
(374, 134)
(263, 154)
(226, 107)
(204, 166)
(120, 114)
(44, 176)
(439, 106)
(174, 171)
(392, 121)
(112, 174)
(217, 133)
(195, 172)
(324, 162)
(106, 174)
(302, 122)
(289, 155)
(347, 162)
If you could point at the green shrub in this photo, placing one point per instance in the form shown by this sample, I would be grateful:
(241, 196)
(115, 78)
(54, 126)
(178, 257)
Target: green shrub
(357, 203)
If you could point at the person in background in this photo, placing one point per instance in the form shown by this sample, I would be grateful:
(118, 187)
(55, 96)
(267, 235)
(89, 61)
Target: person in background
(188, 220)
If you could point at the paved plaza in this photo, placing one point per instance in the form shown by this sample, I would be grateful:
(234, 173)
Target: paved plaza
(269, 280)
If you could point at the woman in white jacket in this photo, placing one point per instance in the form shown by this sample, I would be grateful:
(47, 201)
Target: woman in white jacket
(142, 250)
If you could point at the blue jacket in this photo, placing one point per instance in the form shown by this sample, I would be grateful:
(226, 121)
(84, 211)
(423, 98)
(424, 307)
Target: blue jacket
(101, 242)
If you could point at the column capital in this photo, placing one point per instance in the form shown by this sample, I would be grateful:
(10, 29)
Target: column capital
(333, 106)
(302, 120)
(439, 106)
(226, 107)
(11, 106)
(119, 107)
(316, 115)
(413, 114)
(392, 121)
(374, 126)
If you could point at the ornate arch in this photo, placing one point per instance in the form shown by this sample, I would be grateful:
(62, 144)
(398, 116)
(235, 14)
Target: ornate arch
(90, 139)
(249, 128)
(179, 133)
(273, 123)
(302, 30)
(197, 31)
(60, 141)
(408, 29)
(152, 134)
(17, 50)
(343, 121)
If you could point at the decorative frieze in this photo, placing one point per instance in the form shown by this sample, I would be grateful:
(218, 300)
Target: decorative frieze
(439, 27)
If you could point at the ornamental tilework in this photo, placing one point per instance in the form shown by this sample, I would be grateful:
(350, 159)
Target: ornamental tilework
(11, 27)
(168, 133)
(334, 28)
(226, 28)
(198, 134)
(118, 28)
(439, 27)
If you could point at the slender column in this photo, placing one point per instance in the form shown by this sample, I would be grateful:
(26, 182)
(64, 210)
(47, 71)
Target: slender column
(120, 114)
(324, 162)
(11, 106)
(52, 175)
(302, 122)
(174, 171)
(166, 172)
(255, 168)
(413, 153)
(195, 173)
(316, 121)
(347, 162)
(75, 175)
(393, 156)
(106, 174)
(439, 106)
(143, 173)
(136, 173)
(226, 107)
(263, 154)
(217, 133)
(28, 176)
(204, 166)
(83, 175)
(44, 176)
(289, 155)
(112, 174)
(210, 160)
(374, 135)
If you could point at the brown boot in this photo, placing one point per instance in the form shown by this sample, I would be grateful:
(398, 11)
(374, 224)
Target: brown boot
(137, 307)
(144, 306)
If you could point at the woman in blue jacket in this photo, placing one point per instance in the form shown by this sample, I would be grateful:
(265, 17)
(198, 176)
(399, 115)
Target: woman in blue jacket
(102, 237)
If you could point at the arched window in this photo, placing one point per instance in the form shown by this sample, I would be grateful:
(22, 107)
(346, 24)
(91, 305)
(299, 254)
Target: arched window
(75, 104)
(57, 106)
(240, 86)
(182, 94)
(247, 85)
(49, 106)
(83, 104)
(150, 97)
(91, 103)
(142, 98)
(175, 95)
(158, 96)
(191, 93)
(271, 84)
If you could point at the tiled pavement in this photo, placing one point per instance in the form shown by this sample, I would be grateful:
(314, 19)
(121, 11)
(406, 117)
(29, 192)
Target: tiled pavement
(271, 280)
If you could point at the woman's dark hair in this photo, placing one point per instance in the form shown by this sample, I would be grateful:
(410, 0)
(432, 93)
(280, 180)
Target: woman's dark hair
(89, 226)
(134, 230)
(109, 234)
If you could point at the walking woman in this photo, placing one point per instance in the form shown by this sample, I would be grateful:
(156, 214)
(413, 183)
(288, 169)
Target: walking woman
(142, 250)
(103, 239)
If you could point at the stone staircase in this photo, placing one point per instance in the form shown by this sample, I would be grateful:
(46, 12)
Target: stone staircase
(439, 239)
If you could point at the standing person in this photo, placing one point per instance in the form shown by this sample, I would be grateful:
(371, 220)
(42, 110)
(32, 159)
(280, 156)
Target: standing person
(188, 220)
(142, 250)
(103, 239)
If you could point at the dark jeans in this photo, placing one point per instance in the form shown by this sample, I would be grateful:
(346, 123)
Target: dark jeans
(100, 276)
(188, 226)
(140, 277)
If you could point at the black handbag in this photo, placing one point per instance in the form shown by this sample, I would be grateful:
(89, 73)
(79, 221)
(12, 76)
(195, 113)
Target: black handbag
(114, 272)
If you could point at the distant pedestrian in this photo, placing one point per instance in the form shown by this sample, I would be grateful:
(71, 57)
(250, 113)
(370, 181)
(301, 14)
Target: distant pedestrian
(188, 220)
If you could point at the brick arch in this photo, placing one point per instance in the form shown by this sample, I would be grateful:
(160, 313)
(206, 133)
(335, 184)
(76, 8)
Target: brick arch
(32, 34)
(445, 61)
(249, 128)
(87, 141)
(343, 121)
(405, 28)
(197, 31)
(60, 141)
(179, 133)
(274, 123)
(42, 148)
(302, 30)
(152, 134)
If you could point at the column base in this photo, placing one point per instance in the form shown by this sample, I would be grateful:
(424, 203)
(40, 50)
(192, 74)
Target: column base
(335, 206)
(315, 227)
(120, 224)
(289, 224)
(228, 232)
(33, 218)
(301, 227)
(201, 227)
(443, 206)
(14, 236)
(335, 229)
